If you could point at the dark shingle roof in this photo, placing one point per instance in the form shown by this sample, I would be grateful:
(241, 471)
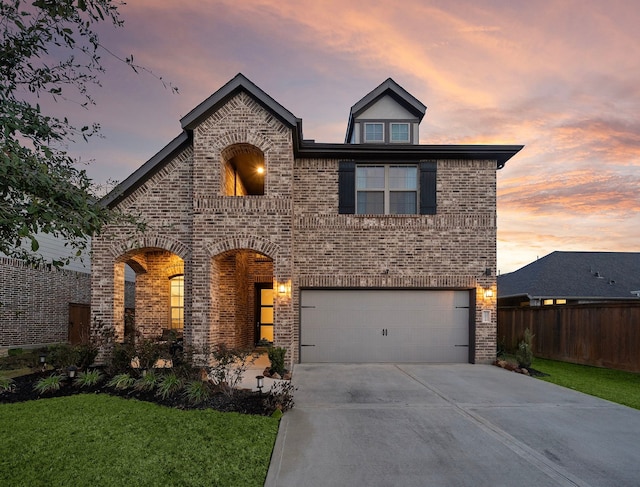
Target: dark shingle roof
(611, 275)
(500, 153)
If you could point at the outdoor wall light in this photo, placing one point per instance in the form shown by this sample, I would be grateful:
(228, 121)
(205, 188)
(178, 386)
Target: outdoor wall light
(488, 293)
(282, 288)
(260, 382)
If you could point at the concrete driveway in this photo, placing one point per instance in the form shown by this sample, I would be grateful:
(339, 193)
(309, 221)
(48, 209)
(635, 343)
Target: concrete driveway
(449, 425)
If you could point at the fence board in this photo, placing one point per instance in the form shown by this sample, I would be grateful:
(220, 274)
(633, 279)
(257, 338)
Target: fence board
(602, 335)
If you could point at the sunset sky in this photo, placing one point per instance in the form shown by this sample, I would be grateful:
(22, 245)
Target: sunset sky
(560, 77)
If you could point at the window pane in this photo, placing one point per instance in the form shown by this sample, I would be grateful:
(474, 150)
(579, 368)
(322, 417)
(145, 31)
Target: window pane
(266, 316)
(374, 132)
(400, 132)
(402, 203)
(403, 177)
(370, 202)
(370, 177)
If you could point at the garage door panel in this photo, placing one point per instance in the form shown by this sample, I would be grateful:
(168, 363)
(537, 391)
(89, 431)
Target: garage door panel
(384, 326)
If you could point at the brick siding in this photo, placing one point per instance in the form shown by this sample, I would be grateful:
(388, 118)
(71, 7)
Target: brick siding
(34, 302)
(297, 226)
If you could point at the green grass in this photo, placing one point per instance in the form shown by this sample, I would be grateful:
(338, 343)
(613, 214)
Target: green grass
(614, 385)
(101, 440)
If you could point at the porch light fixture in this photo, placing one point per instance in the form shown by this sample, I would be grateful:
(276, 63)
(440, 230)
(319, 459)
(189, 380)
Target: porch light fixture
(282, 288)
(488, 293)
(260, 382)
(260, 170)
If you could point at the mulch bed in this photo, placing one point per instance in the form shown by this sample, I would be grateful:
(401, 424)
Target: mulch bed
(242, 401)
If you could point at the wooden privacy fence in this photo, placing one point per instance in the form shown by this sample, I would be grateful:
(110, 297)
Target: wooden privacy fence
(603, 335)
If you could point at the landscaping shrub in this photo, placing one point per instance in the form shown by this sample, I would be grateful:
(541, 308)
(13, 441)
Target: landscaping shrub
(280, 396)
(21, 359)
(121, 357)
(229, 367)
(524, 353)
(63, 356)
(147, 351)
(276, 356)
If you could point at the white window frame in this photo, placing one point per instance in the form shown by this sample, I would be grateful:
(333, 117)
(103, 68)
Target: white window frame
(366, 124)
(387, 189)
(403, 141)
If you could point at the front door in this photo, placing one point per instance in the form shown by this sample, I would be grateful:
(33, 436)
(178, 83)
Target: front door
(264, 313)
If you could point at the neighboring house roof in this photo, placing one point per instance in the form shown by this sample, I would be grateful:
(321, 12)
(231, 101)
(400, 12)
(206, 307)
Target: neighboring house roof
(575, 275)
(393, 89)
(305, 148)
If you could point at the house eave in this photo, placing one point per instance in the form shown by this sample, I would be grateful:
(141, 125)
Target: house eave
(410, 152)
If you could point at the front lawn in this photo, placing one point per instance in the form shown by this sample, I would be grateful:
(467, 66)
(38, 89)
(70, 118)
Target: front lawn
(614, 385)
(100, 440)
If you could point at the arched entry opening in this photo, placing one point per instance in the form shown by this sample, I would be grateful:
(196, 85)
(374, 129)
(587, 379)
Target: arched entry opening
(159, 293)
(243, 304)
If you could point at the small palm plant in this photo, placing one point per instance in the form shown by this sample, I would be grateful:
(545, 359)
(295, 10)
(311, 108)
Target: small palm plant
(169, 385)
(90, 378)
(49, 384)
(121, 381)
(197, 392)
(6, 385)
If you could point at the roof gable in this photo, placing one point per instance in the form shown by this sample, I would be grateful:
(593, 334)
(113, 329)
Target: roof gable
(387, 88)
(236, 85)
(611, 275)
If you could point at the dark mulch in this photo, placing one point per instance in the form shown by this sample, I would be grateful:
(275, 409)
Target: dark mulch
(536, 373)
(242, 401)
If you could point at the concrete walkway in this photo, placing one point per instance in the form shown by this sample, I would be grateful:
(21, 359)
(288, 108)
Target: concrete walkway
(449, 425)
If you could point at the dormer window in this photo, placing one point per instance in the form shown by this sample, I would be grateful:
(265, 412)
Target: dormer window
(374, 132)
(385, 132)
(400, 132)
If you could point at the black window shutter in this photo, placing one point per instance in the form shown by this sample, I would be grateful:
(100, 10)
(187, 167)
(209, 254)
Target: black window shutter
(347, 187)
(428, 187)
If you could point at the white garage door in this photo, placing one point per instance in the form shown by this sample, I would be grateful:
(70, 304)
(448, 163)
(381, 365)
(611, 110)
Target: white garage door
(384, 326)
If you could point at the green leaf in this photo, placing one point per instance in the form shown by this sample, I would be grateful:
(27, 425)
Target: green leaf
(34, 244)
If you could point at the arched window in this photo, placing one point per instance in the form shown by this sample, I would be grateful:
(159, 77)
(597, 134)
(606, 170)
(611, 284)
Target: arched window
(176, 306)
(244, 167)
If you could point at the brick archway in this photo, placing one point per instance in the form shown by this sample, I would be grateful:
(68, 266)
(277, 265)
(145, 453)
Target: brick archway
(244, 242)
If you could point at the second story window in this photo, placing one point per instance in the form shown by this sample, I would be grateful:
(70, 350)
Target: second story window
(386, 190)
(374, 132)
(399, 132)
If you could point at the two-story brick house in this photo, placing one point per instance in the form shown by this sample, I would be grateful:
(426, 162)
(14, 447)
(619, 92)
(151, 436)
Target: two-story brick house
(375, 250)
